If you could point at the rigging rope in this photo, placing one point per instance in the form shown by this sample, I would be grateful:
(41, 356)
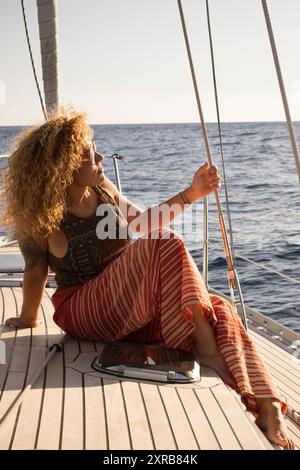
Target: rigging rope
(282, 88)
(233, 279)
(32, 61)
(212, 56)
(32, 380)
(262, 266)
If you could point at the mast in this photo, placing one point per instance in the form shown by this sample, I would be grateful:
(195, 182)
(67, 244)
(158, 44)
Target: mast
(47, 17)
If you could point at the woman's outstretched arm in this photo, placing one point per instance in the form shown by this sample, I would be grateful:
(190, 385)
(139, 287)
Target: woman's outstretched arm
(205, 181)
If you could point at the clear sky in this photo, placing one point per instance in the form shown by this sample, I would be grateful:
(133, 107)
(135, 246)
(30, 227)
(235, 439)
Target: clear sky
(124, 61)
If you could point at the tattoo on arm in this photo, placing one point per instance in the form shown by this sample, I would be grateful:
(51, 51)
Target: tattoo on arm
(31, 251)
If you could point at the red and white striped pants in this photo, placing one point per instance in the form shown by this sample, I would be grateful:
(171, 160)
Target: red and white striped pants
(145, 296)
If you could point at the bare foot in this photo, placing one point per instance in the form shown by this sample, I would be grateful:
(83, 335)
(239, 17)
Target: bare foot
(17, 322)
(215, 361)
(270, 420)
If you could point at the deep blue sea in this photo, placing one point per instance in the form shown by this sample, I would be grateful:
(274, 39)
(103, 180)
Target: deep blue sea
(264, 195)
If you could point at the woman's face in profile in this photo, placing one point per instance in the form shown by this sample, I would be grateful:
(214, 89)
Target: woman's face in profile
(90, 172)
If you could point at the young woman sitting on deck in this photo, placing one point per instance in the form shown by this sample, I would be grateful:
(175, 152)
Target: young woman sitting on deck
(113, 288)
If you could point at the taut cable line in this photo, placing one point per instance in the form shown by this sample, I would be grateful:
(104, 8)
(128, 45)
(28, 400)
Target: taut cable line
(233, 279)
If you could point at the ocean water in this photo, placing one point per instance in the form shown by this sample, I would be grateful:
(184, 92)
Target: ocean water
(264, 195)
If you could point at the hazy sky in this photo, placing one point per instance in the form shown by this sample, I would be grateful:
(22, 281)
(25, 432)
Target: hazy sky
(124, 61)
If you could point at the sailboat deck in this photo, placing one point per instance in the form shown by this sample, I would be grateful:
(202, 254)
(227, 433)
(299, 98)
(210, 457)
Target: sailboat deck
(71, 406)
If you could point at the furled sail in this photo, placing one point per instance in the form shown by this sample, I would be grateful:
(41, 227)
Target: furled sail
(47, 17)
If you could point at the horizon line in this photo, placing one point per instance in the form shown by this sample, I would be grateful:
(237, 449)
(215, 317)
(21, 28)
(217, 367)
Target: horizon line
(161, 123)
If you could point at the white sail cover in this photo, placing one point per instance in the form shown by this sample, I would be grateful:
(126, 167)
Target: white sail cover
(47, 18)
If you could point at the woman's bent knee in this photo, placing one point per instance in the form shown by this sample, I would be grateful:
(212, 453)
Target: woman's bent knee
(164, 233)
(164, 237)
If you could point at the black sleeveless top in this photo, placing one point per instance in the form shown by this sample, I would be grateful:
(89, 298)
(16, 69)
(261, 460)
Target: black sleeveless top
(87, 254)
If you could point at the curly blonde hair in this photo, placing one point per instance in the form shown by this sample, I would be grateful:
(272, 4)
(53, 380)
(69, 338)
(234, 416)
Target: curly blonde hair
(40, 169)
